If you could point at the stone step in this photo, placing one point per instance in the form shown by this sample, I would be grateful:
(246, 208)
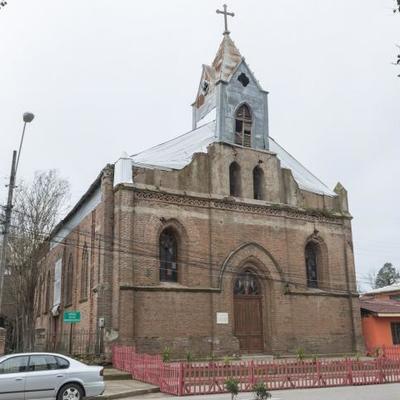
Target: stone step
(112, 374)
(125, 388)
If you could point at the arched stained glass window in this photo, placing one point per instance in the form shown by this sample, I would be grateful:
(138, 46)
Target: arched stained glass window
(168, 256)
(311, 255)
(247, 284)
(48, 293)
(69, 281)
(85, 272)
(243, 122)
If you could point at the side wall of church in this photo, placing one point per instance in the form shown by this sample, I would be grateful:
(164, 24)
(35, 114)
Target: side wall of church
(92, 232)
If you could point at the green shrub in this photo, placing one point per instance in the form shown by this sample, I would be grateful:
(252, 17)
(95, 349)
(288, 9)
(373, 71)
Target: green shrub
(301, 355)
(261, 392)
(232, 386)
(166, 354)
(227, 360)
(189, 357)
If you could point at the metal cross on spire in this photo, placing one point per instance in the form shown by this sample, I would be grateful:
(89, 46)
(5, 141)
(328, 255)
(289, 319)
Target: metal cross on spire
(226, 13)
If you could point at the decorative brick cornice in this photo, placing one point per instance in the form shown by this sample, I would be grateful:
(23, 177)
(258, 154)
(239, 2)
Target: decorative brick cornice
(321, 293)
(162, 288)
(230, 204)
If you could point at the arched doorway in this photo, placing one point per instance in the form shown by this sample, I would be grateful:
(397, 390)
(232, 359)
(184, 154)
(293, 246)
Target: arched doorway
(248, 312)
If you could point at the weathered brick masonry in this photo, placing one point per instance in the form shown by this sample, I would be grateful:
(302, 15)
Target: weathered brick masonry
(220, 235)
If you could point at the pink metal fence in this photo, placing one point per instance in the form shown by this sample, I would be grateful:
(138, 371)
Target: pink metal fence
(183, 378)
(391, 351)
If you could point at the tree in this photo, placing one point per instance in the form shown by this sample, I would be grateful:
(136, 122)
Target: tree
(386, 276)
(36, 210)
(397, 10)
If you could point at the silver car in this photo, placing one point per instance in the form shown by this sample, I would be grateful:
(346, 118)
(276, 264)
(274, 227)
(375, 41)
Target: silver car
(47, 376)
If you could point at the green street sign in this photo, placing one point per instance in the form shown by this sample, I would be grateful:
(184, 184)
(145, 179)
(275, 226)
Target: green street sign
(72, 317)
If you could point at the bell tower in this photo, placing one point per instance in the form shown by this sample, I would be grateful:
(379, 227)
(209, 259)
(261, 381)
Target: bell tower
(230, 94)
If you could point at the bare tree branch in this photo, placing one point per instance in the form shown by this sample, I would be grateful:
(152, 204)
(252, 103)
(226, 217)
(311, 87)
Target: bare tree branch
(36, 211)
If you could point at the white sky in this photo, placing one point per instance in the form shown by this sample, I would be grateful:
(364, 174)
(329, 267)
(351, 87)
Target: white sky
(107, 76)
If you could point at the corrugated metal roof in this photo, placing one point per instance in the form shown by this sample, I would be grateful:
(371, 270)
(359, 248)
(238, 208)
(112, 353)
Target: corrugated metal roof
(386, 289)
(178, 152)
(380, 306)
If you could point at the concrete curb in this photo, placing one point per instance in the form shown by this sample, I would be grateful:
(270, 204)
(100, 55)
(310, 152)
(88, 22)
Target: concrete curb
(130, 393)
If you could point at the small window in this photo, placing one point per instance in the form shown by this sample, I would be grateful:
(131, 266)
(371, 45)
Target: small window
(234, 180)
(42, 363)
(243, 123)
(14, 365)
(243, 79)
(311, 255)
(62, 363)
(168, 256)
(396, 332)
(395, 297)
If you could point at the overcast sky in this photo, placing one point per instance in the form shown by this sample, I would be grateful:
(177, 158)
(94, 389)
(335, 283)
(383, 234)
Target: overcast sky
(104, 77)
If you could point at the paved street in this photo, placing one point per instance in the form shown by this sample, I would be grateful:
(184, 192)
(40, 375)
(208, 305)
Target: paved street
(373, 392)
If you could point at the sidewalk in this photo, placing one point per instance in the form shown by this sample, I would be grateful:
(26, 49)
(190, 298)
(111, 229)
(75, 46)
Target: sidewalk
(126, 388)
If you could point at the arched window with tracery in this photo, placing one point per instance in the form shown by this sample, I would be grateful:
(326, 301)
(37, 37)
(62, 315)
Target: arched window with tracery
(85, 273)
(243, 122)
(312, 267)
(247, 284)
(258, 183)
(69, 281)
(235, 187)
(168, 256)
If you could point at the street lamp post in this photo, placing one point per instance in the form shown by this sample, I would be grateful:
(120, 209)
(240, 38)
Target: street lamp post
(27, 118)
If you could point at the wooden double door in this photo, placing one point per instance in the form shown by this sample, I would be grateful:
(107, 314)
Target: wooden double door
(248, 313)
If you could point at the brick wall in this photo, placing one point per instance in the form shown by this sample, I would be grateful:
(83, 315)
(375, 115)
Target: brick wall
(218, 236)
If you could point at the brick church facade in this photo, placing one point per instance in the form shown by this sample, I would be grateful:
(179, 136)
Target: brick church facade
(218, 241)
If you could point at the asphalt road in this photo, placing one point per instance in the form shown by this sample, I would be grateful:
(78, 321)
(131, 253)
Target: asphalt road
(370, 392)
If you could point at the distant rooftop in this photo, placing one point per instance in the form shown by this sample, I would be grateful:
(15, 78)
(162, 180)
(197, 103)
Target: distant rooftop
(386, 289)
(380, 306)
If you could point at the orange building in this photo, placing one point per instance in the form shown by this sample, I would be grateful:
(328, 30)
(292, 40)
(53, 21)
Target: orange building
(380, 312)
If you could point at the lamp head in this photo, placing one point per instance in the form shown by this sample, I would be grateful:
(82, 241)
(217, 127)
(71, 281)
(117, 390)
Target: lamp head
(28, 117)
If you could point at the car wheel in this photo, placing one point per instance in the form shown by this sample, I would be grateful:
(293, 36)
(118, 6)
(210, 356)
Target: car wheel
(70, 391)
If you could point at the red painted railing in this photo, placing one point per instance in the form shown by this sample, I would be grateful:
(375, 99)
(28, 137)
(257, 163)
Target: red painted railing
(391, 351)
(183, 378)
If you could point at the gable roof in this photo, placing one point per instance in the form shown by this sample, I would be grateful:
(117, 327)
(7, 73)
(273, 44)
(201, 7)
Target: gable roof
(178, 152)
(226, 60)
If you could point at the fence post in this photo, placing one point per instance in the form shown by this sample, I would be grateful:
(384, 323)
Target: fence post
(252, 377)
(349, 363)
(181, 381)
(381, 375)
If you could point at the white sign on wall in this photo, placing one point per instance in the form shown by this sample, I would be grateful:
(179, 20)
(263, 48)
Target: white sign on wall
(222, 318)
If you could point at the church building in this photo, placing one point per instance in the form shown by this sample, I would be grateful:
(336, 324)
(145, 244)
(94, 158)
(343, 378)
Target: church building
(216, 242)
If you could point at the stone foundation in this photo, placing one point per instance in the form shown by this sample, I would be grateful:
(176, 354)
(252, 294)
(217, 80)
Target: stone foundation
(198, 346)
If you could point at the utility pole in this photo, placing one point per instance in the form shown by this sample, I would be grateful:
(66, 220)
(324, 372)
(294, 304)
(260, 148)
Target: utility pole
(27, 118)
(7, 223)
